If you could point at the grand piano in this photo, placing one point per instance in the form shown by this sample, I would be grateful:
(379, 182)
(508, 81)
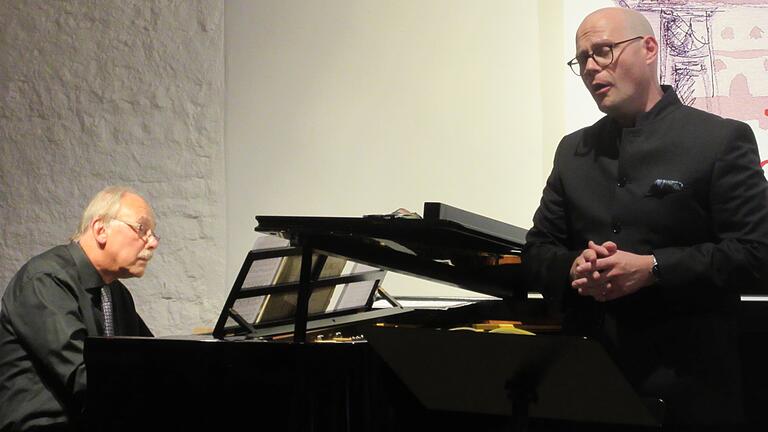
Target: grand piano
(308, 339)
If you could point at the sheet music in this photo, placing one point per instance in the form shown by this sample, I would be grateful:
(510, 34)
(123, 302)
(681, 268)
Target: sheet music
(356, 294)
(248, 308)
(283, 305)
(262, 272)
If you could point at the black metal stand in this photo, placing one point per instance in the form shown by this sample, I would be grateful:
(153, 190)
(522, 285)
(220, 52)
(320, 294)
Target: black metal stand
(309, 280)
(305, 291)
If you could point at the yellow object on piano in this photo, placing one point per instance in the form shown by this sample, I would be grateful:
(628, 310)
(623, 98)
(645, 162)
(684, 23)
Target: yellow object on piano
(507, 327)
(502, 327)
(511, 329)
(494, 324)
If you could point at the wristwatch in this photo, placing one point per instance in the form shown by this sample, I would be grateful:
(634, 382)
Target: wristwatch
(655, 269)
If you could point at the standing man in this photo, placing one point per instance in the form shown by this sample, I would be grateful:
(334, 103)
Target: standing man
(62, 296)
(650, 223)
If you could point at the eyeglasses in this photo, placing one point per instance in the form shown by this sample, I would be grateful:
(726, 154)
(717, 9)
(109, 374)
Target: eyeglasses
(143, 231)
(601, 54)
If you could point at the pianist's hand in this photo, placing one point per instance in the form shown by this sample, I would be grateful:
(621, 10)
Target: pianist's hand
(613, 273)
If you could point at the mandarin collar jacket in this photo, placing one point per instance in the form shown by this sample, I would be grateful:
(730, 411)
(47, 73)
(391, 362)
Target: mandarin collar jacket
(685, 186)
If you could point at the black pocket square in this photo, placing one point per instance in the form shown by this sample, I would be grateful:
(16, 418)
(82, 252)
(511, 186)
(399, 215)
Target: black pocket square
(662, 187)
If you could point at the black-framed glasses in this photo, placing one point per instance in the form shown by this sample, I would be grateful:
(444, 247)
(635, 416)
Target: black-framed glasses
(144, 232)
(601, 54)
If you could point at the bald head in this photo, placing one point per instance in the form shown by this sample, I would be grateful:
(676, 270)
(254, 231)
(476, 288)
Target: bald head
(617, 54)
(628, 23)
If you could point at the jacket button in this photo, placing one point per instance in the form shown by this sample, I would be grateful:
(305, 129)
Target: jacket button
(616, 228)
(622, 182)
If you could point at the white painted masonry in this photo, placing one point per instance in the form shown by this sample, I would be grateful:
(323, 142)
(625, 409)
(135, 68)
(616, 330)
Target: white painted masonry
(94, 93)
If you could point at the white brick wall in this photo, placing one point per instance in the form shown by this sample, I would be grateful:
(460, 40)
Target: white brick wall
(94, 93)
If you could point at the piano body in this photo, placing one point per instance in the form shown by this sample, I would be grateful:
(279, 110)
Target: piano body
(297, 353)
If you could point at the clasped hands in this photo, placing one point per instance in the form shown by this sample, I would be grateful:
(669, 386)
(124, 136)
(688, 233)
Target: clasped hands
(607, 273)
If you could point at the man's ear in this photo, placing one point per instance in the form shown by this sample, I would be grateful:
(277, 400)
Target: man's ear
(651, 49)
(99, 231)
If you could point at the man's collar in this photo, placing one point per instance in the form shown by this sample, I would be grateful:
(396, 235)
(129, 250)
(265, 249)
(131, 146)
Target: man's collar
(89, 276)
(668, 102)
(602, 136)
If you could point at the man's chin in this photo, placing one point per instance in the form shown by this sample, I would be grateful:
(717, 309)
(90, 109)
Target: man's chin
(139, 270)
(603, 104)
(133, 272)
(607, 107)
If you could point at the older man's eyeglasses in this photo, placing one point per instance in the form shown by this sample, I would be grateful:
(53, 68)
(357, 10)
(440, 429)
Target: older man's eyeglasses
(143, 231)
(601, 54)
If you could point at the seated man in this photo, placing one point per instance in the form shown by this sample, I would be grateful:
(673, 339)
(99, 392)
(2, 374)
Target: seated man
(64, 295)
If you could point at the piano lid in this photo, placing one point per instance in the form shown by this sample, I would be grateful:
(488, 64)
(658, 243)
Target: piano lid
(449, 245)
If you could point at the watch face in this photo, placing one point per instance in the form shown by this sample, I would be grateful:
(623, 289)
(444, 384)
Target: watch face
(655, 269)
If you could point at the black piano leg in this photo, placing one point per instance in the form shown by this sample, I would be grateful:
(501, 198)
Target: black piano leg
(521, 392)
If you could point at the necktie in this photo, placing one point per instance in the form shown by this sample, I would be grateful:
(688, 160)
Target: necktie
(106, 307)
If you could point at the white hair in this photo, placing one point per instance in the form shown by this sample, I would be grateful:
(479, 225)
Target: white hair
(105, 205)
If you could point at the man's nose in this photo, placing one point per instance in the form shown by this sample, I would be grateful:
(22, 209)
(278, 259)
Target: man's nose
(152, 242)
(591, 67)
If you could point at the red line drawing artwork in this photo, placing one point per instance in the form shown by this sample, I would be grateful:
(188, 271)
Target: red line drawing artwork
(715, 54)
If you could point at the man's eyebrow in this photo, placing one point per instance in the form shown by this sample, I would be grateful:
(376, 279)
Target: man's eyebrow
(144, 220)
(583, 53)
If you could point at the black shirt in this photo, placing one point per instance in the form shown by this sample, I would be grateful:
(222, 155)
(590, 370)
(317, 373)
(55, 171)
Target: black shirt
(50, 306)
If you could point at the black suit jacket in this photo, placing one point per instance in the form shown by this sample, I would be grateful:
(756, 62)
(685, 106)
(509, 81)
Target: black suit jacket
(687, 187)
